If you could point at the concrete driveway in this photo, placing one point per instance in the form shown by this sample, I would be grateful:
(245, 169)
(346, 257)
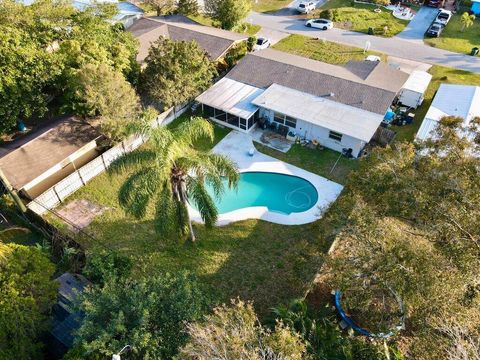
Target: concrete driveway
(415, 30)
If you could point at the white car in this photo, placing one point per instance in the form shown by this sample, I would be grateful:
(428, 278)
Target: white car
(305, 7)
(262, 43)
(443, 17)
(323, 24)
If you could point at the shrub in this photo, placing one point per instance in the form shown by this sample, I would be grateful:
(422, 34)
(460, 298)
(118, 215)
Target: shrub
(327, 14)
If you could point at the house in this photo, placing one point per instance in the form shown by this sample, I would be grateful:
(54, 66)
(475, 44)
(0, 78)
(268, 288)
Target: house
(450, 100)
(38, 160)
(341, 107)
(413, 91)
(475, 7)
(215, 42)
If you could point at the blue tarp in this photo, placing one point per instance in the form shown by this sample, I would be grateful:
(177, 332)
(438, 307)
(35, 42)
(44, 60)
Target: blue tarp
(476, 8)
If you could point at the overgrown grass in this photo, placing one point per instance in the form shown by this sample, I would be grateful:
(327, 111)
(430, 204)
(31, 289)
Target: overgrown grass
(452, 38)
(440, 75)
(322, 50)
(269, 5)
(359, 17)
(253, 259)
(244, 28)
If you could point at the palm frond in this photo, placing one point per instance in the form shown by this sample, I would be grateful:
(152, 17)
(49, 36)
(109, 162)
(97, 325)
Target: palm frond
(195, 129)
(171, 216)
(136, 192)
(224, 167)
(205, 205)
(161, 137)
(137, 158)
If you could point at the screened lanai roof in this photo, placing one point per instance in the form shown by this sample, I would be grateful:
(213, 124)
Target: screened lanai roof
(321, 111)
(231, 96)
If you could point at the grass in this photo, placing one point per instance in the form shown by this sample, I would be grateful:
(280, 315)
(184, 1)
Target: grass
(452, 38)
(244, 28)
(440, 75)
(269, 5)
(322, 50)
(253, 259)
(360, 17)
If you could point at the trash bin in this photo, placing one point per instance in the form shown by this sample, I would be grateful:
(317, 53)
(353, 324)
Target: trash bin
(370, 31)
(474, 51)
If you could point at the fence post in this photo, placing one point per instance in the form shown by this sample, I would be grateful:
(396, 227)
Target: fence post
(103, 161)
(80, 176)
(58, 196)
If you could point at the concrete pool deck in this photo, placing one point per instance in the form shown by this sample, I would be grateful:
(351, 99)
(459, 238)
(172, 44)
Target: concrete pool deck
(236, 146)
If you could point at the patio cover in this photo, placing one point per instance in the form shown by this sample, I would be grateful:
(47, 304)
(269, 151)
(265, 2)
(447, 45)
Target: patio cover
(232, 96)
(341, 118)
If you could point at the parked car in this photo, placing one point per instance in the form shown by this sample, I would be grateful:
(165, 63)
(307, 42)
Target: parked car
(443, 17)
(434, 3)
(305, 7)
(262, 43)
(434, 30)
(323, 24)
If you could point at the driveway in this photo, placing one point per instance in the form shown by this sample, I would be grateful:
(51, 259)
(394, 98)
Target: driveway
(416, 29)
(291, 9)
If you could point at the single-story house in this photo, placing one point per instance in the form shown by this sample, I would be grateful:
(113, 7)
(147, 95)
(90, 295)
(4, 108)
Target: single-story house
(38, 160)
(413, 91)
(475, 7)
(215, 42)
(450, 100)
(341, 107)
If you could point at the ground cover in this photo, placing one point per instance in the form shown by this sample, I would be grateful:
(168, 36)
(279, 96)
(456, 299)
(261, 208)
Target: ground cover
(244, 28)
(269, 5)
(359, 17)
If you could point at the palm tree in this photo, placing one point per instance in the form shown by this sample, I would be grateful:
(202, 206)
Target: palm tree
(467, 20)
(171, 172)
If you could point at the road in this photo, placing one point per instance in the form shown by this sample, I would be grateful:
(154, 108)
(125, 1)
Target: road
(395, 46)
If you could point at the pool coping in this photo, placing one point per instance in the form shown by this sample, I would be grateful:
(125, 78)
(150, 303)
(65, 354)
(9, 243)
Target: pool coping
(236, 145)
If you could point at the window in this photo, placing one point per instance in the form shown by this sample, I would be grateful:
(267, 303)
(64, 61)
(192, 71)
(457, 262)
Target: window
(290, 122)
(335, 136)
(279, 118)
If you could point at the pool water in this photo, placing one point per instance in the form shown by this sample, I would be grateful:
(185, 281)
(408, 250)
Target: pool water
(280, 193)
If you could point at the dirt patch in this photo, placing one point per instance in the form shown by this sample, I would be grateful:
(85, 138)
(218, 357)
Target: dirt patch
(80, 213)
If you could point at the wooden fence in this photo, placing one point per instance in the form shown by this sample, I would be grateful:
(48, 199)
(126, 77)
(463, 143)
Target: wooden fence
(60, 191)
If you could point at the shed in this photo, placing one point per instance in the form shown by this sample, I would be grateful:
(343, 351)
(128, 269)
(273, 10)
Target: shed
(413, 91)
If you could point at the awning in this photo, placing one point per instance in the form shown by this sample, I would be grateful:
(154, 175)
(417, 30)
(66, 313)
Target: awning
(231, 96)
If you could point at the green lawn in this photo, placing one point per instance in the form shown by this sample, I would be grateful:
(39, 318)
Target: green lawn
(252, 259)
(360, 17)
(244, 28)
(440, 75)
(322, 50)
(453, 39)
(269, 5)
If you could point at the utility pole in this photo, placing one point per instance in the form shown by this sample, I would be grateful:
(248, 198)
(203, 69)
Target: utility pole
(12, 192)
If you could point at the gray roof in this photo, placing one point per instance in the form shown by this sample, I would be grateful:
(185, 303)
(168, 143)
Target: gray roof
(364, 85)
(214, 41)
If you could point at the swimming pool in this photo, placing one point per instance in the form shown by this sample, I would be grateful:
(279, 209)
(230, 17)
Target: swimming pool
(280, 193)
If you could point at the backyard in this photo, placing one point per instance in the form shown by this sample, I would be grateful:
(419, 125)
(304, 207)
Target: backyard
(359, 17)
(453, 39)
(269, 5)
(244, 28)
(252, 259)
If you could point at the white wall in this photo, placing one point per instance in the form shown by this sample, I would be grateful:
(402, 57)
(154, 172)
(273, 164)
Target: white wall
(410, 98)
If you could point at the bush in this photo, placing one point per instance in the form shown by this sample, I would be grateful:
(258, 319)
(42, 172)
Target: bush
(327, 14)
(103, 265)
(251, 42)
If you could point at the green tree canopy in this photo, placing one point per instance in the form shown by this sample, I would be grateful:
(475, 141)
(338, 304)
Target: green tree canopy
(188, 7)
(170, 172)
(162, 7)
(229, 13)
(27, 292)
(236, 333)
(149, 314)
(176, 71)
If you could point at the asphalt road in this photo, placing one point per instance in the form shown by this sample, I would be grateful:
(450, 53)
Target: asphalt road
(395, 46)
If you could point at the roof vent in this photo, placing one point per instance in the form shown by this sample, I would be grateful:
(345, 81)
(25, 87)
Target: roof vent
(331, 94)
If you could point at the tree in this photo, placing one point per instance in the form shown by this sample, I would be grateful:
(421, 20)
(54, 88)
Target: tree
(27, 292)
(188, 7)
(170, 173)
(98, 90)
(236, 333)
(176, 71)
(467, 20)
(229, 13)
(102, 265)
(162, 7)
(149, 314)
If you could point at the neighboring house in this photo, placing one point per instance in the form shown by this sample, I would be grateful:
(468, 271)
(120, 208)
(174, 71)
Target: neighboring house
(38, 160)
(341, 107)
(215, 42)
(475, 7)
(450, 100)
(66, 318)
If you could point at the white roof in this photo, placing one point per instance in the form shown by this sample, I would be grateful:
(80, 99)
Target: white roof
(231, 96)
(344, 119)
(418, 81)
(451, 100)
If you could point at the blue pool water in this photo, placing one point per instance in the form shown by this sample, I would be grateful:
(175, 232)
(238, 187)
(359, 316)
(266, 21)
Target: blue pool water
(281, 193)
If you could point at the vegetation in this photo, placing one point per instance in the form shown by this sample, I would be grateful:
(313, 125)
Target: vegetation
(359, 17)
(467, 20)
(176, 71)
(269, 5)
(171, 173)
(323, 50)
(235, 333)
(27, 293)
(244, 27)
(149, 313)
(454, 39)
(161, 7)
(188, 7)
(102, 265)
(229, 13)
